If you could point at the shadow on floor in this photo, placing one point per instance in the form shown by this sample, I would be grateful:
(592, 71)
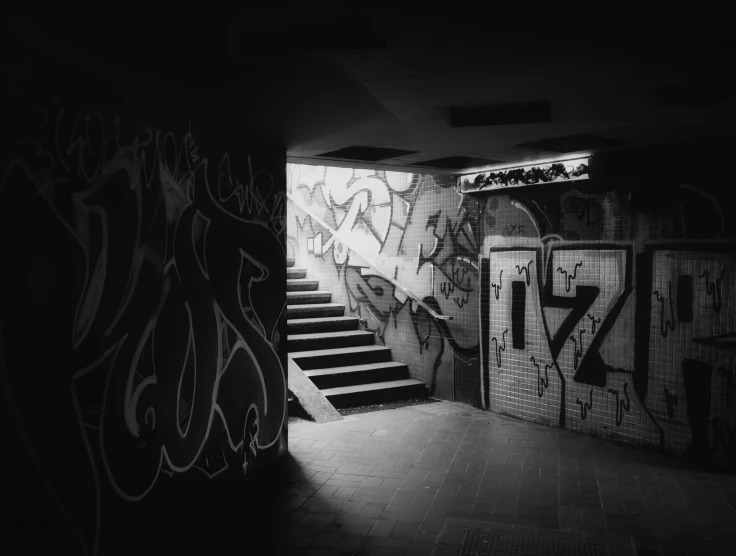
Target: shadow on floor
(412, 480)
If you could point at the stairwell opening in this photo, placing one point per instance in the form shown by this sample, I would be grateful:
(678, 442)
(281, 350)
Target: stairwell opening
(374, 313)
(339, 356)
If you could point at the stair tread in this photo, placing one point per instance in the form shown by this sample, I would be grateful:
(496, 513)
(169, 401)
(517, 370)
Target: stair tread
(307, 293)
(354, 368)
(301, 285)
(371, 386)
(307, 306)
(336, 351)
(301, 281)
(318, 320)
(315, 335)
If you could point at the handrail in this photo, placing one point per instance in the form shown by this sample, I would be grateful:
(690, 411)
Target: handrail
(335, 233)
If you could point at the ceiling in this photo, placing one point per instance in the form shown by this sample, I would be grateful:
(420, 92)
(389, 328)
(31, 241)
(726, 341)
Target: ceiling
(473, 92)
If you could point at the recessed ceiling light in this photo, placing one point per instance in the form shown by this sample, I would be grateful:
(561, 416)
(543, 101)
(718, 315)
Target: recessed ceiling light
(366, 154)
(456, 162)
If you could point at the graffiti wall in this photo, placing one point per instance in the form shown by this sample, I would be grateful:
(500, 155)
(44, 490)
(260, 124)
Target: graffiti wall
(614, 315)
(141, 329)
(604, 305)
(418, 230)
(691, 345)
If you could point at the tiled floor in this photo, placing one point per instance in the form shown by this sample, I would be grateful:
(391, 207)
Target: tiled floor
(409, 481)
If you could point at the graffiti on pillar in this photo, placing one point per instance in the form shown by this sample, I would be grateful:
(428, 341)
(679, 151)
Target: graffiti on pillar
(671, 403)
(569, 277)
(542, 383)
(593, 322)
(693, 365)
(561, 329)
(499, 347)
(713, 288)
(577, 346)
(153, 278)
(666, 321)
(524, 270)
(585, 406)
(724, 437)
(621, 405)
(568, 331)
(593, 333)
(498, 285)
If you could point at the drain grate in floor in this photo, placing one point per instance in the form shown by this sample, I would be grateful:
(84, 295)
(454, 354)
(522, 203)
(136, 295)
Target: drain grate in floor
(493, 543)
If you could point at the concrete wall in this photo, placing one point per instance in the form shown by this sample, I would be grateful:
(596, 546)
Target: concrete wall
(604, 306)
(142, 330)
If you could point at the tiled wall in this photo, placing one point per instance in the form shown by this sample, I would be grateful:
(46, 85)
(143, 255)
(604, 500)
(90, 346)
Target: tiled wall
(611, 318)
(596, 305)
(690, 336)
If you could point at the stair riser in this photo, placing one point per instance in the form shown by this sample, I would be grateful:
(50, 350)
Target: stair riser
(378, 396)
(330, 343)
(360, 377)
(343, 359)
(315, 327)
(289, 262)
(296, 273)
(308, 298)
(314, 312)
(293, 286)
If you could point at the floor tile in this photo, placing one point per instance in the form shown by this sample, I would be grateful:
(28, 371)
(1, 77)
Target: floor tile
(383, 528)
(348, 488)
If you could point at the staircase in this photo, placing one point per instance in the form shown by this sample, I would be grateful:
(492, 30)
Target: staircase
(339, 358)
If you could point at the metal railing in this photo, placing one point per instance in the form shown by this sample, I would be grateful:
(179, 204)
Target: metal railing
(375, 266)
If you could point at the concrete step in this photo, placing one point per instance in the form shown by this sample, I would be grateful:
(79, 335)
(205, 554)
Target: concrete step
(377, 392)
(296, 273)
(315, 310)
(327, 340)
(290, 262)
(335, 377)
(322, 358)
(323, 324)
(301, 285)
(306, 298)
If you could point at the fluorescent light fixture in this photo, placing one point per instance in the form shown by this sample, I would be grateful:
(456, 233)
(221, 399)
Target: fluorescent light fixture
(519, 176)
